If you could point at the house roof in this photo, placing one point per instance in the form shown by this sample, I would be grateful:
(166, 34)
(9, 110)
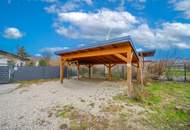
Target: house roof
(11, 55)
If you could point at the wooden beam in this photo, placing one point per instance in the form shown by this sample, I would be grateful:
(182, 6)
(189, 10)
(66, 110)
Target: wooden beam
(121, 57)
(113, 65)
(109, 51)
(106, 65)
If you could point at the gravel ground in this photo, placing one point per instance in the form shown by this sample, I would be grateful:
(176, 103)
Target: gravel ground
(32, 107)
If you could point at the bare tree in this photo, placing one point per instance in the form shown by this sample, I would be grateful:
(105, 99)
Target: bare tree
(47, 55)
(163, 67)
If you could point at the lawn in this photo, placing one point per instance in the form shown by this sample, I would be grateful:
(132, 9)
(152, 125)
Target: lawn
(169, 102)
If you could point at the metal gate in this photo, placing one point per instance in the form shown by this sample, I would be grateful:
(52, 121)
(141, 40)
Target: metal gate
(4, 74)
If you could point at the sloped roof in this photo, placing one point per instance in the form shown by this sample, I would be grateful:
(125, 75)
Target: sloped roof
(104, 52)
(126, 40)
(12, 55)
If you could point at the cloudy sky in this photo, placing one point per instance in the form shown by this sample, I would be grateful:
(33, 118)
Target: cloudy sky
(50, 25)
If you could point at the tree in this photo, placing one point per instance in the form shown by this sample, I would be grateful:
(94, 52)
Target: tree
(21, 52)
(47, 56)
(43, 62)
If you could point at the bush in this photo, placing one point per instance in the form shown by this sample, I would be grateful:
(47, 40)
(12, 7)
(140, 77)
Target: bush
(139, 93)
(157, 69)
(42, 62)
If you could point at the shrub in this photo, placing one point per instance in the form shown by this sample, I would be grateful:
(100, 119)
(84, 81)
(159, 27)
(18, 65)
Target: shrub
(43, 62)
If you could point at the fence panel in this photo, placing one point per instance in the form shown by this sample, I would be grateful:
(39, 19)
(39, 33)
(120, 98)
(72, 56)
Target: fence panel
(4, 74)
(31, 73)
(178, 72)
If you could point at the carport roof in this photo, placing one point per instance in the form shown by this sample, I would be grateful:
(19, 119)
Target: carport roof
(112, 44)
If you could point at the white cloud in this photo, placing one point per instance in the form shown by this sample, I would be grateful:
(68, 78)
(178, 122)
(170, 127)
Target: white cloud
(104, 23)
(89, 2)
(12, 33)
(182, 6)
(136, 4)
(94, 25)
(183, 45)
(49, 1)
(97, 26)
(53, 49)
(60, 7)
(38, 55)
(169, 35)
(70, 5)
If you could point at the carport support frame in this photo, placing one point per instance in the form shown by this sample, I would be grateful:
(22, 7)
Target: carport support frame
(128, 61)
(62, 61)
(116, 52)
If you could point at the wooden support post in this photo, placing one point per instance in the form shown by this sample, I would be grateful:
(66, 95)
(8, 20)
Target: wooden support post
(129, 74)
(89, 71)
(110, 72)
(61, 69)
(78, 69)
(129, 80)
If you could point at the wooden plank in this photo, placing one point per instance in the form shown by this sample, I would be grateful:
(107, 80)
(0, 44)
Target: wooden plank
(99, 52)
(121, 57)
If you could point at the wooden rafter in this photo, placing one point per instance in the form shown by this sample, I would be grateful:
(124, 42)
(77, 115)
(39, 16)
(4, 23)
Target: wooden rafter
(121, 57)
(97, 53)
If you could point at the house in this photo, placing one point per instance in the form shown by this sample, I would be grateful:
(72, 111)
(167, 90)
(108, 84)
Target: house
(7, 58)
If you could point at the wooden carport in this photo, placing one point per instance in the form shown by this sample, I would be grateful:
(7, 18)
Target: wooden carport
(108, 53)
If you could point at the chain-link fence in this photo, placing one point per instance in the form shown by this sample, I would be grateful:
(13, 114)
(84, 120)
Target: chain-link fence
(169, 70)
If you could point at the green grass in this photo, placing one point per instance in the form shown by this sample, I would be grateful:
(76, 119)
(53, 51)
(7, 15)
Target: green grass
(165, 98)
(176, 72)
(169, 101)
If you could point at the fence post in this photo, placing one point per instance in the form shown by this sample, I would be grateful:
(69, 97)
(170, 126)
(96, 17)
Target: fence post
(185, 73)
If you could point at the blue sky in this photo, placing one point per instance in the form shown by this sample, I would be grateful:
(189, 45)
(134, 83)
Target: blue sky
(50, 25)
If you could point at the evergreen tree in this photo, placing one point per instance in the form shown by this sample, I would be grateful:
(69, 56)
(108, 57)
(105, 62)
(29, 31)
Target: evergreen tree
(21, 52)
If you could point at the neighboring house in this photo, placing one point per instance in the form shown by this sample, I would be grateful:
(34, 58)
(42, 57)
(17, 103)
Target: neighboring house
(7, 58)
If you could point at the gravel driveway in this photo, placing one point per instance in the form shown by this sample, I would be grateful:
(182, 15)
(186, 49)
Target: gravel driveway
(32, 107)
